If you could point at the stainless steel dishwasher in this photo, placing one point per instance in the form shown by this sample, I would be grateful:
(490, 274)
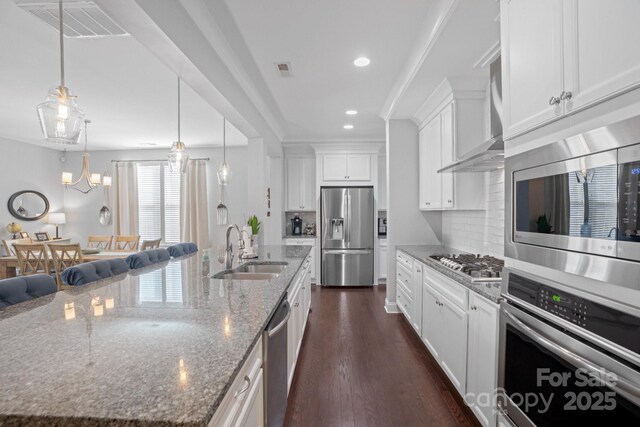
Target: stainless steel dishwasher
(275, 366)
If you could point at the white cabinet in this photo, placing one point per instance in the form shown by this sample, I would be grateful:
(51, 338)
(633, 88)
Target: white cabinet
(429, 153)
(312, 254)
(346, 167)
(384, 251)
(444, 328)
(416, 315)
(300, 179)
(409, 289)
(243, 405)
(562, 56)
(451, 131)
(482, 357)
(299, 298)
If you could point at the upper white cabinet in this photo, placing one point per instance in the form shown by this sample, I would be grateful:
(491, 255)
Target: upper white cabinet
(559, 57)
(455, 127)
(346, 167)
(429, 154)
(300, 178)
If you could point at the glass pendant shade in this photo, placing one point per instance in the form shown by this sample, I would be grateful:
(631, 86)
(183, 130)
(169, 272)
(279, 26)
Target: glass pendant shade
(224, 174)
(60, 118)
(178, 158)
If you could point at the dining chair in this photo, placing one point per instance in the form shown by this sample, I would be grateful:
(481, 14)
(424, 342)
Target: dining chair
(64, 256)
(126, 243)
(33, 258)
(150, 244)
(8, 245)
(99, 242)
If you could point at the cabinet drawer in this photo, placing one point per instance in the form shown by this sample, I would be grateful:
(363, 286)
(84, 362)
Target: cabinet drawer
(404, 278)
(405, 260)
(455, 292)
(404, 303)
(300, 242)
(237, 397)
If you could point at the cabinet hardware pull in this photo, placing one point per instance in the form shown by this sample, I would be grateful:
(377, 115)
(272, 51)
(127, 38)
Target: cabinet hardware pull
(555, 100)
(296, 304)
(245, 388)
(566, 96)
(473, 307)
(448, 201)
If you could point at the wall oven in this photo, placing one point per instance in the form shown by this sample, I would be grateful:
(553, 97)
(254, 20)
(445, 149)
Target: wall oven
(574, 205)
(566, 357)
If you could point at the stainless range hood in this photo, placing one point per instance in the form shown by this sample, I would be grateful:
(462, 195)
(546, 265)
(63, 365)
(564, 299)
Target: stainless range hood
(490, 154)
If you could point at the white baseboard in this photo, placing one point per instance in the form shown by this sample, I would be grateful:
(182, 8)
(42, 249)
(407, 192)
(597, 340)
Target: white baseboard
(390, 307)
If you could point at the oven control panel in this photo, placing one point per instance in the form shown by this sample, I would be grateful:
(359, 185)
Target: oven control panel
(568, 307)
(606, 321)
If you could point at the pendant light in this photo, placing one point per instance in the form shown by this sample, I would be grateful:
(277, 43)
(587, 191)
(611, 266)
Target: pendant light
(92, 180)
(178, 159)
(224, 172)
(60, 117)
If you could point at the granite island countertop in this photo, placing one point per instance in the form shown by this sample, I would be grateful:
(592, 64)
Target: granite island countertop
(489, 290)
(157, 347)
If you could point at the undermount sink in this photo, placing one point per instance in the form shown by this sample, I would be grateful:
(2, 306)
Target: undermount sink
(261, 268)
(245, 276)
(254, 271)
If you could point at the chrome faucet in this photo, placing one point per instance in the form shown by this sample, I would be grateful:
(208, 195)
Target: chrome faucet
(228, 258)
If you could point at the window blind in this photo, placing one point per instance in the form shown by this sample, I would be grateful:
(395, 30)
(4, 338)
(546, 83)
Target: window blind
(158, 203)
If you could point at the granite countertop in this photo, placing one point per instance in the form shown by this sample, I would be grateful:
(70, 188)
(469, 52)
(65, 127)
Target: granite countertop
(299, 236)
(164, 351)
(489, 290)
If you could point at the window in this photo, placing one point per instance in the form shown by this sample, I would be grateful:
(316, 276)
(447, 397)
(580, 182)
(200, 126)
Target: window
(158, 203)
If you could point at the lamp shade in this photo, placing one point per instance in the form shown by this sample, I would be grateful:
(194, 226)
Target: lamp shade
(60, 117)
(14, 228)
(57, 218)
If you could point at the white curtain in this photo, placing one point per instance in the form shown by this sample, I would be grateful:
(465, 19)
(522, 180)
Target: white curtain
(125, 199)
(195, 205)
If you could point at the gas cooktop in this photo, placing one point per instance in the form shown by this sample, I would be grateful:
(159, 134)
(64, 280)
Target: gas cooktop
(478, 268)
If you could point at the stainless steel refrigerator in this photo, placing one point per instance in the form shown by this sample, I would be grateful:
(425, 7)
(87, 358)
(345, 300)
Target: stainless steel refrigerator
(347, 219)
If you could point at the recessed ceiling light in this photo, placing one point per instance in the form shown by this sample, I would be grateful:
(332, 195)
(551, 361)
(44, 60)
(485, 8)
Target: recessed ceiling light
(348, 126)
(351, 112)
(361, 62)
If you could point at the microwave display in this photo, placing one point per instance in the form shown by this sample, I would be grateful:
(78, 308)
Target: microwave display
(628, 221)
(579, 203)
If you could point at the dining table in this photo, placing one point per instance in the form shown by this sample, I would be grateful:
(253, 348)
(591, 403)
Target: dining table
(8, 264)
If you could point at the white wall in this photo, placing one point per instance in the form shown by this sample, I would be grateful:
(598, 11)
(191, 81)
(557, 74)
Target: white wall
(29, 167)
(82, 209)
(479, 232)
(407, 225)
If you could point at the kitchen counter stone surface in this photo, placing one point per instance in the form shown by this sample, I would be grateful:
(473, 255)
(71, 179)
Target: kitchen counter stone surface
(300, 236)
(489, 290)
(160, 348)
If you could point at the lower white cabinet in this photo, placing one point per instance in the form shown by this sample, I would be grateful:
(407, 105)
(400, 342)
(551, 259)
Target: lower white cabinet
(303, 242)
(299, 298)
(243, 405)
(409, 289)
(384, 251)
(482, 369)
(444, 331)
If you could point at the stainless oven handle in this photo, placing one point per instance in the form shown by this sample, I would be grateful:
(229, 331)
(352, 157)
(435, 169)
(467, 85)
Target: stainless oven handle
(622, 386)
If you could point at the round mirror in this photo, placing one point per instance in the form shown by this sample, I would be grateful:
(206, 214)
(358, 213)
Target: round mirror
(28, 205)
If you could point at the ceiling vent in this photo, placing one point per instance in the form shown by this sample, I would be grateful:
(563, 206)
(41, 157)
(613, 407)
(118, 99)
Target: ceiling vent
(81, 18)
(284, 68)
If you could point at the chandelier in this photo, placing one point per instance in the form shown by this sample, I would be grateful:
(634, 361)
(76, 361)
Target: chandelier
(60, 117)
(90, 180)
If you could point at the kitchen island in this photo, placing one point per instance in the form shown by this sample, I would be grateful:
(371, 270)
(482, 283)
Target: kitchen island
(159, 346)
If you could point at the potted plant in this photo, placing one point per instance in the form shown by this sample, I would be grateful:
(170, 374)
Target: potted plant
(254, 223)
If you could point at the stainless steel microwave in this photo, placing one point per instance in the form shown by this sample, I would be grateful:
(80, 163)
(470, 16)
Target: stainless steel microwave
(574, 205)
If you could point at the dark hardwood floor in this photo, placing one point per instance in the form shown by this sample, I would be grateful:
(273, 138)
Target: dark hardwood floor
(359, 366)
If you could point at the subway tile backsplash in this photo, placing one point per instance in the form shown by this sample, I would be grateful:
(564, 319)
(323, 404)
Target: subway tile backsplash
(480, 232)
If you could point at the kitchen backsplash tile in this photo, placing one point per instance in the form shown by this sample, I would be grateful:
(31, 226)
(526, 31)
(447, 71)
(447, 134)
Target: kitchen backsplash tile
(479, 232)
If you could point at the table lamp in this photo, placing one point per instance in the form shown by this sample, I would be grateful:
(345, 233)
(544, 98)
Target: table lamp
(57, 219)
(14, 228)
